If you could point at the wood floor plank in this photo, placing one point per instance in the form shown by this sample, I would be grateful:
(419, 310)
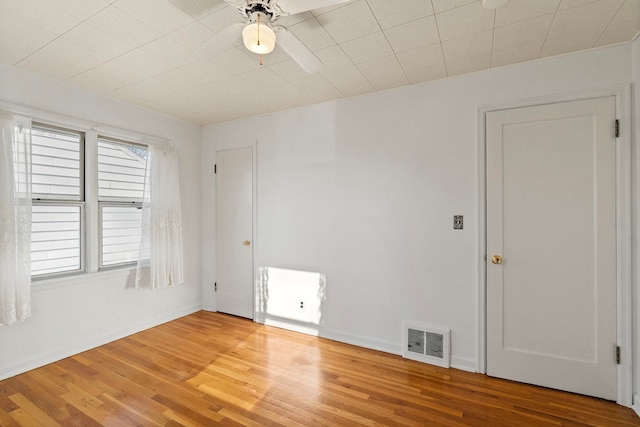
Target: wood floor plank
(212, 369)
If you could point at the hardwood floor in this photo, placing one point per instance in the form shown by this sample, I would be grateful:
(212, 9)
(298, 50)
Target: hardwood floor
(208, 369)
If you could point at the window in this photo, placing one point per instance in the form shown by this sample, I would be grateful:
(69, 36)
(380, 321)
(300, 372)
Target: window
(73, 175)
(58, 201)
(121, 176)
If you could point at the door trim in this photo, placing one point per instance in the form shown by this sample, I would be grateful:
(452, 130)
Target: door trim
(254, 218)
(622, 95)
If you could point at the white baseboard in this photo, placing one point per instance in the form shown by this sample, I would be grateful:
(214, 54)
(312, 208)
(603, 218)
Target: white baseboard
(209, 307)
(457, 362)
(636, 404)
(93, 342)
(464, 363)
(360, 341)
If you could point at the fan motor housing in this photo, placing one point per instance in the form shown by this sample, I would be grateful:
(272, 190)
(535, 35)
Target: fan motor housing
(268, 8)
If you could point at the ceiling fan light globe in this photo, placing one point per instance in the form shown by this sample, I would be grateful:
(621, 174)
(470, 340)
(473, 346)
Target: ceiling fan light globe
(252, 33)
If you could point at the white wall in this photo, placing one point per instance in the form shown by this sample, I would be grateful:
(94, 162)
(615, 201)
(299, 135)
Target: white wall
(71, 315)
(364, 191)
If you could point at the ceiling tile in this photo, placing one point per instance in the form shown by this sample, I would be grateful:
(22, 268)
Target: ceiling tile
(526, 52)
(323, 10)
(39, 15)
(349, 22)
(511, 36)
(318, 88)
(162, 16)
(312, 35)
(391, 13)
(262, 77)
(96, 47)
(469, 65)
(471, 45)
(618, 33)
(349, 80)
(236, 60)
(199, 8)
(44, 62)
(80, 9)
(442, 5)
(107, 77)
(18, 41)
(569, 43)
(469, 19)
(367, 48)
(522, 10)
(222, 19)
(595, 15)
(423, 64)
(124, 27)
(384, 73)
(567, 4)
(629, 12)
(412, 35)
(192, 36)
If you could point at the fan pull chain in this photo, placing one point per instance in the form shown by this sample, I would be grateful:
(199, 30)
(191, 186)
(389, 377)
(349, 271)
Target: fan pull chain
(259, 33)
(261, 56)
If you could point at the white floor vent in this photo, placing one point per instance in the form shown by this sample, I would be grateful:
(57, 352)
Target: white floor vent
(425, 343)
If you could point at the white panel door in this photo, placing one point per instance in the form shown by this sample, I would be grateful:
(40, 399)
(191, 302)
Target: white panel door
(234, 230)
(551, 303)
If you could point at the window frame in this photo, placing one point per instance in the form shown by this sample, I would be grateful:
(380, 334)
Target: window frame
(105, 201)
(38, 199)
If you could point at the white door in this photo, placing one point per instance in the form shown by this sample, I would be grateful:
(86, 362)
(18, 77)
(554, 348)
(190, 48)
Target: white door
(551, 303)
(234, 230)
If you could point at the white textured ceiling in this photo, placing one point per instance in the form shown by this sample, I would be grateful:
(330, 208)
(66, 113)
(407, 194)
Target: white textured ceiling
(143, 51)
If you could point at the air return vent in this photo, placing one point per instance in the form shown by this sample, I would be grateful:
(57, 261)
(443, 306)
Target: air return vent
(425, 343)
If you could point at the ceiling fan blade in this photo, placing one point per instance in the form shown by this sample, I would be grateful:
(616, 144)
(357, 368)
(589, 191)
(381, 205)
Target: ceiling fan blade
(297, 51)
(291, 7)
(221, 41)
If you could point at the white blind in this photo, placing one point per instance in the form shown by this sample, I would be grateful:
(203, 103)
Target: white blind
(120, 234)
(121, 171)
(56, 169)
(55, 239)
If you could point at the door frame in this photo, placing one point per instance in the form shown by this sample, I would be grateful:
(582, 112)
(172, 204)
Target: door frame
(624, 314)
(254, 217)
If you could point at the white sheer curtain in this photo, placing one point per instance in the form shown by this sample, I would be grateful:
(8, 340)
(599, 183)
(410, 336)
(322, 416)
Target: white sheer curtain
(160, 262)
(15, 218)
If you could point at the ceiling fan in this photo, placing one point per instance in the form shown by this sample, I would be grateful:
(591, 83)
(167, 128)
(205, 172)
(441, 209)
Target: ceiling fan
(260, 35)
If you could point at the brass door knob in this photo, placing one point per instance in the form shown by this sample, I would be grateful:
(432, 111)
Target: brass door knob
(496, 259)
(246, 243)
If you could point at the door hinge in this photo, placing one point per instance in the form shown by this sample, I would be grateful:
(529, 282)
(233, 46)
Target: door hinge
(215, 169)
(215, 287)
(617, 354)
(617, 126)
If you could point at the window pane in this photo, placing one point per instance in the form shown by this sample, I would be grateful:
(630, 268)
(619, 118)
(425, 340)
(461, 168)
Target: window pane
(120, 234)
(121, 171)
(55, 239)
(56, 171)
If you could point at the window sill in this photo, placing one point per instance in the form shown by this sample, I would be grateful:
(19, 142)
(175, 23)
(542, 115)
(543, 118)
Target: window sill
(83, 278)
